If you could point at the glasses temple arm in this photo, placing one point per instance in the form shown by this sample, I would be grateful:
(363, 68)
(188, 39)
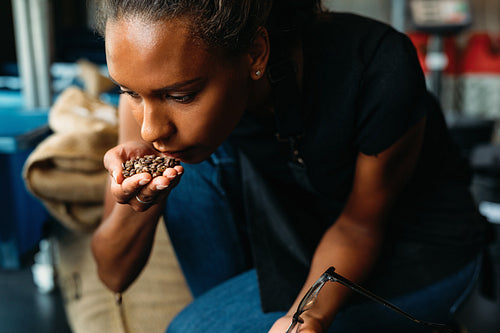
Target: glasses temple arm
(342, 280)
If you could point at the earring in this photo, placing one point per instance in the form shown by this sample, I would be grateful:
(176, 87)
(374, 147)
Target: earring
(258, 73)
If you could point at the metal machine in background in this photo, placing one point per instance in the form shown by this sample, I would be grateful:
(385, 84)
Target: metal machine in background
(441, 19)
(33, 44)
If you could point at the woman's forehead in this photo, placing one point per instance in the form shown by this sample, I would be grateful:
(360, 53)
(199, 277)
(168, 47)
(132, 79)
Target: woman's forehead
(147, 37)
(149, 48)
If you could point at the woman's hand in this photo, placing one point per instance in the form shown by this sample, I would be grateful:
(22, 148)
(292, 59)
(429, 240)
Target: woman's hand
(140, 191)
(310, 325)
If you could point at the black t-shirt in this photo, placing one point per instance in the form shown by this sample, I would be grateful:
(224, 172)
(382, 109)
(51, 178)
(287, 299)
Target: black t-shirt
(363, 89)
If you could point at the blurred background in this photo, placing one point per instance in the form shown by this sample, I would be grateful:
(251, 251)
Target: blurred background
(49, 46)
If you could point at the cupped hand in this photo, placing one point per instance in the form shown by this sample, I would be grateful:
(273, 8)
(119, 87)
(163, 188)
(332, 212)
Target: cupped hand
(310, 325)
(140, 191)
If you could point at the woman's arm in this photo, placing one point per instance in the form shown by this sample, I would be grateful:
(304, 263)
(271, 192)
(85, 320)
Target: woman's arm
(353, 242)
(122, 243)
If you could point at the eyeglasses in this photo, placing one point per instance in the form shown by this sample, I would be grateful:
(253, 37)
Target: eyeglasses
(310, 298)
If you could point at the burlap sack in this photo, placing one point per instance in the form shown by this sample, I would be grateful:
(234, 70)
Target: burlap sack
(66, 171)
(95, 82)
(150, 303)
(78, 111)
(75, 152)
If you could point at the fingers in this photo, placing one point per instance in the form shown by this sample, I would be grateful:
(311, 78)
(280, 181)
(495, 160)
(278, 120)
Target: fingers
(112, 162)
(141, 191)
(156, 190)
(114, 157)
(128, 188)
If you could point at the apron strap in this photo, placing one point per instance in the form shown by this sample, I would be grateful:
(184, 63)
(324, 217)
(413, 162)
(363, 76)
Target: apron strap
(282, 75)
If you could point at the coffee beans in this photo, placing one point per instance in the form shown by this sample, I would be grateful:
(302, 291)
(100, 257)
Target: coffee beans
(154, 165)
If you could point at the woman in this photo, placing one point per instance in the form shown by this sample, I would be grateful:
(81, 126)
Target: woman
(308, 140)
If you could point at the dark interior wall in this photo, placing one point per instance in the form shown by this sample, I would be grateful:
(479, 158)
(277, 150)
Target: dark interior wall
(72, 39)
(7, 40)
(69, 14)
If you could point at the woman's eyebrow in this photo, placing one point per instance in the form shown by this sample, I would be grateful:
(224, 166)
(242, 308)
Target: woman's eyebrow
(171, 87)
(177, 85)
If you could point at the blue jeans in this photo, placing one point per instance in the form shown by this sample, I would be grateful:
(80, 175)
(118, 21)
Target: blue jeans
(203, 221)
(202, 218)
(234, 306)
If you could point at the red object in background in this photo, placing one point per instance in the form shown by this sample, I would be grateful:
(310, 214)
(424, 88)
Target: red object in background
(421, 40)
(482, 54)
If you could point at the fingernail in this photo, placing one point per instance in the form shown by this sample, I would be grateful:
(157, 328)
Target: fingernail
(143, 182)
(114, 176)
(161, 187)
(171, 177)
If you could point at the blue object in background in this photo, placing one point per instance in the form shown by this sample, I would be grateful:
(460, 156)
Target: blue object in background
(22, 216)
(22, 129)
(10, 99)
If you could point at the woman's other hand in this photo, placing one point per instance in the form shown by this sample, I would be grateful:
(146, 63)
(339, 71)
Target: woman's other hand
(140, 191)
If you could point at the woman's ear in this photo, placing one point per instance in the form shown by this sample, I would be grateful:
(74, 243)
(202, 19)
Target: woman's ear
(258, 53)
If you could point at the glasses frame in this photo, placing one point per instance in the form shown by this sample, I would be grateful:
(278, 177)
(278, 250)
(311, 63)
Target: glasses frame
(330, 275)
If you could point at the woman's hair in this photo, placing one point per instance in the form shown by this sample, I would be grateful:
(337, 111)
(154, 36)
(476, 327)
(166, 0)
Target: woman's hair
(229, 24)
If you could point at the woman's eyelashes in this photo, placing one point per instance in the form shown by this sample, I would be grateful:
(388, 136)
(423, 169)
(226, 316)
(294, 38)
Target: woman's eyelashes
(129, 93)
(187, 98)
(179, 98)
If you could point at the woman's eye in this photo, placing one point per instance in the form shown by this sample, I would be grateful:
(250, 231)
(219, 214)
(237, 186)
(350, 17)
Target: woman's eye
(182, 99)
(177, 98)
(130, 93)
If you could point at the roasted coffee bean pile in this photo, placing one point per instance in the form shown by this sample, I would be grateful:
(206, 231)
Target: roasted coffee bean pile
(154, 165)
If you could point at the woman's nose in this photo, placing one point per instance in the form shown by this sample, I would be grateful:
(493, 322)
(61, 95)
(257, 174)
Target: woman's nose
(156, 125)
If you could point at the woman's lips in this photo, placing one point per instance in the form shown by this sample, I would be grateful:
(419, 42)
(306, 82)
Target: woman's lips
(178, 154)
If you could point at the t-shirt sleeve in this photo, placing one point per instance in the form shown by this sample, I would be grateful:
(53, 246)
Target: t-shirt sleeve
(392, 94)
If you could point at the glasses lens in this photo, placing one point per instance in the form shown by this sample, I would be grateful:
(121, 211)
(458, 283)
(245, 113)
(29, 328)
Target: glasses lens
(310, 298)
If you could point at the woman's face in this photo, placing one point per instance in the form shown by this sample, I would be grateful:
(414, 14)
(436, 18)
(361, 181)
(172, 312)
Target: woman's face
(185, 98)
